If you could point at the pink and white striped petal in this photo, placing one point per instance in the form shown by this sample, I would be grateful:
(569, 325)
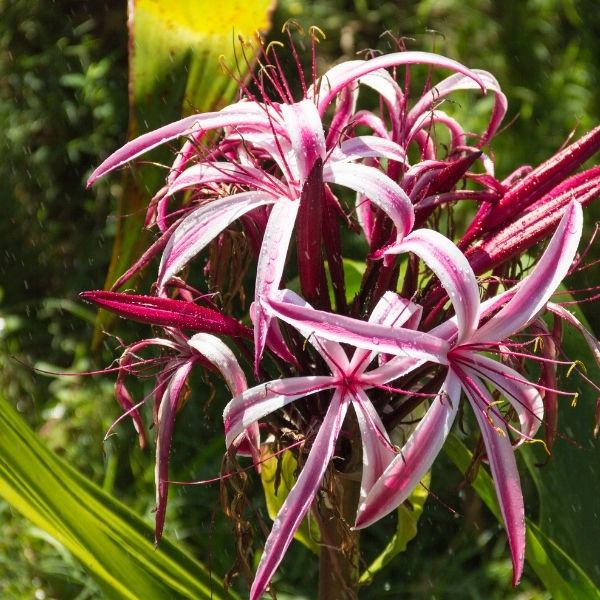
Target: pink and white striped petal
(331, 352)
(262, 400)
(391, 310)
(433, 117)
(167, 410)
(301, 497)
(537, 288)
(344, 74)
(225, 172)
(241, 114)
(378, 188)
(378, 451)
(453, 271)
(571, 319)
(219, 354)
(305, 131)
(368, 146)
(522, 396)
(456, 82)
(415, 458)
(122, 393)
(271, 261)
(201, 226)
(503, 465)
(387, 87)
(346, 330)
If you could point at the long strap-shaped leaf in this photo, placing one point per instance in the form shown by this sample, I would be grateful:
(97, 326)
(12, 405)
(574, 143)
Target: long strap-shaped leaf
(561, 576)
(175, 54)
(113, 544)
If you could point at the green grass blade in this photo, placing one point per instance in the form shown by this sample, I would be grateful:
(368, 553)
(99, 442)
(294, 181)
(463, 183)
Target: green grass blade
(112, 542)
(561, 576)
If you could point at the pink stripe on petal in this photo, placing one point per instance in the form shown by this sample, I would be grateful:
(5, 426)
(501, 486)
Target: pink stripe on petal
(570, 318)
(271, 261)
(305, 130)
(185, 155)
(369, 146)
(246, 116)
(456, 82)
(391, 310)
(165, 426)
(276, 342)
(220, 355)
(537, 288)
(391, 370)
(126, 401)
(300, 498)
(415, 458)
(504, 472)
(404, 342)
(201, 226)
(394, 310)
(323, 85)
(333, 354)
(522, 396)
(378, 452)
(453, 271)
(378, 188)
(345, 109)
(346, 73)
(262, 400)
(387, 87)
(426, 120)
(224, 172)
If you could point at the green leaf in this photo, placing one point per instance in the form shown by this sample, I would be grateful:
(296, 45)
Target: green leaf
(568, 484)
(278, 476)
(353, 272)
(178, 48)
(409, 514)
(113, 544)
(559, 573)
(175, 55)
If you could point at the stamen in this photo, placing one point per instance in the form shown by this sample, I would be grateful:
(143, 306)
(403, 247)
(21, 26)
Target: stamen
(126, 414)
(230, 474)
(287, 28)
(396, 390)
(282, 78)
(314, 32)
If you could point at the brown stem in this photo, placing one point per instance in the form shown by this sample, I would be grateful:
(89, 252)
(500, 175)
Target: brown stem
(339, 557)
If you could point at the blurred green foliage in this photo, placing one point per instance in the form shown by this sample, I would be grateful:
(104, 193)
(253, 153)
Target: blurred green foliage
(63, 107)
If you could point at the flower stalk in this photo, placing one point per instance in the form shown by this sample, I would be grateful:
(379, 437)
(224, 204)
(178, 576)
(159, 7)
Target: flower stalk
(339, 557)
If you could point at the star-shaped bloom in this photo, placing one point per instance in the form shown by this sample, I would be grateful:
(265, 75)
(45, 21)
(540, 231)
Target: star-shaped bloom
(469, 370)
(349, 381)
(278, 156)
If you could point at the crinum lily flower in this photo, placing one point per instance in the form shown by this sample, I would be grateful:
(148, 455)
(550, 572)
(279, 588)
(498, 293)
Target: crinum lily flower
(180, 354)
(468, 369)
(278, 156)
(349, 381)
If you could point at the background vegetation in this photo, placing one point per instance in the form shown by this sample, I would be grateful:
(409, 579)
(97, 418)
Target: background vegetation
(63, 107)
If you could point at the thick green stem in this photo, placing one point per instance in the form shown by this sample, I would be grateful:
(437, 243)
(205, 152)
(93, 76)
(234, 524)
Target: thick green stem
(339, 558)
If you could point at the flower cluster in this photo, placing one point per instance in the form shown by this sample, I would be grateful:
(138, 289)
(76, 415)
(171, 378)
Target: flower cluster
(433, 320)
